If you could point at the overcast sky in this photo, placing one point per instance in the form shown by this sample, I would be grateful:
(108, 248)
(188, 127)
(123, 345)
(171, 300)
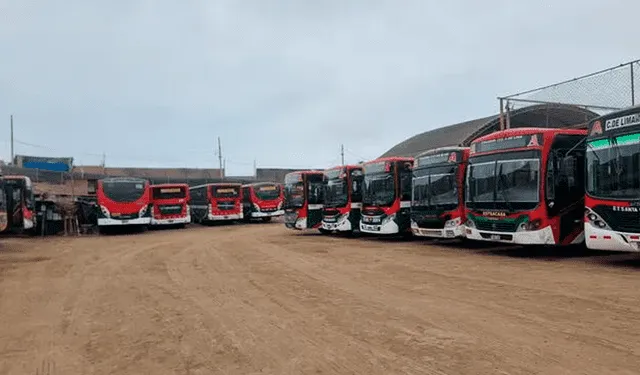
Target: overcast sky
(154, 83)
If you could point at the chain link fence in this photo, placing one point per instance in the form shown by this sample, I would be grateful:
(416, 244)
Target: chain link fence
(601, 92)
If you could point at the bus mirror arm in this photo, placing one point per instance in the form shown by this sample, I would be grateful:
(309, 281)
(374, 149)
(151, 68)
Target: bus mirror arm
(551, 204)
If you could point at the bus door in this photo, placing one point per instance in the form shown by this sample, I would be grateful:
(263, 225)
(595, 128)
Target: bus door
(315, 200)
(356, 183)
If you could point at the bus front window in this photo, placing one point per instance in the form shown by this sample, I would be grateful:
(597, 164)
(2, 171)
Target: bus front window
(614, 167)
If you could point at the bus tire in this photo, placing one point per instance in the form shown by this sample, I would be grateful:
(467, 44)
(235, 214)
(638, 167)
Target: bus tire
(266, 219)
(324, 231)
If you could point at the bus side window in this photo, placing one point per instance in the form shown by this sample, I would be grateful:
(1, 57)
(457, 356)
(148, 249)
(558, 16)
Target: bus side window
(356, 185)
(29, 201)
(405, 182)
(551, 180)
(246, 195)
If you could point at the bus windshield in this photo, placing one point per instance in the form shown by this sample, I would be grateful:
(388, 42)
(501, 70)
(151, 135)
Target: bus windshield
(124, 191)
(168, 192)
(267, 192)
(507, 181)
(435, 187)
(225, 191)
(294, 194)
(335, 188)
(614, 167)
(379, 189)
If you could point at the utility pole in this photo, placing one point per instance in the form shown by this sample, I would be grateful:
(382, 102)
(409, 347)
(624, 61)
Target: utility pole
(224, 167)
(342, 153)
(12, 154)
(104, 159)
(255, 169)
(220, 158)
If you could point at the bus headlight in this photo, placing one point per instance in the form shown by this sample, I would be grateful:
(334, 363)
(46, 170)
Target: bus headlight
(414, 224)
(595, 220)
(142, 211)
(388, 219)
(452, 223)
(470, 223)
(105, 212)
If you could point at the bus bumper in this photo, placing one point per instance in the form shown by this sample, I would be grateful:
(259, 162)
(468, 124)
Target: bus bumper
(225, 217)
(451, 232)
(114, 222)
(542, 236)
(343, 225)
(389, 227)
(267, 214)
(599, 239)
(172, 221)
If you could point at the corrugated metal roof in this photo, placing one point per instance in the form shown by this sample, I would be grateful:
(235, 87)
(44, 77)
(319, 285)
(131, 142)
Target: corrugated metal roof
(543, 115)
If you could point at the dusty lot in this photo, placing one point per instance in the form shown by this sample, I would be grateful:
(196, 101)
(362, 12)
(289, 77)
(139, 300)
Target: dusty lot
(261, 299)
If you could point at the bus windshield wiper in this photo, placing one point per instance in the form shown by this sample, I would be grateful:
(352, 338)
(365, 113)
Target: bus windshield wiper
(501, 182)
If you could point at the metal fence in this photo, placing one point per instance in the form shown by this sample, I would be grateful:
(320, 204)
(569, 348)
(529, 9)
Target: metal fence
(602, 92)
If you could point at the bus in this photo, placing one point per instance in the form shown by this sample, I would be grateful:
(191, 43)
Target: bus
(342, 198)
(526, 186)
(123, 201)
(303, 200)
(386, 199)
(262, 200)
(612, 201)
(17, 205)
(170, 204)
(216, 202)
(437, 199)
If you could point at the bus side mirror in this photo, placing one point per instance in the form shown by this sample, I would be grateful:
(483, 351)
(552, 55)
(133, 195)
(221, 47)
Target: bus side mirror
(551, 204)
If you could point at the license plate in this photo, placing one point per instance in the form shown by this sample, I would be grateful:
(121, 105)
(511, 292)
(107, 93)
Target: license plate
(170, 221)
(371, 227)
(495, 236)
(125, 221)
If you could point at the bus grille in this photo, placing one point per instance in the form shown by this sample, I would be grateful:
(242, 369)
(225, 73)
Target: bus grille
(226, 206)
(619, 221)
(170, 209)
(496, 226)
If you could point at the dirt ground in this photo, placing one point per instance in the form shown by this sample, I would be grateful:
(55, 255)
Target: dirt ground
(261, 299)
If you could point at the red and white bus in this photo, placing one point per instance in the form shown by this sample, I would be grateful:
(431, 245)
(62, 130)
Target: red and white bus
(170, 204)
(303, 200)
(262, 200)
(526, 186)
(216, 202)
(612, 214)
(342, 198)
(437, 201)
(123, 201)
(386, 199)
(18, 211)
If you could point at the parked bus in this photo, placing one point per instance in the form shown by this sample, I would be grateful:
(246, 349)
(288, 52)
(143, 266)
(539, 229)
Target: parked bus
(170, 204)
(216, 202)
(386, 200)
(123, 201)
(17, 204)
(437, 201)
(342, 198)
(303, 200)
(526, 186)
(612, 214)
(262, 200)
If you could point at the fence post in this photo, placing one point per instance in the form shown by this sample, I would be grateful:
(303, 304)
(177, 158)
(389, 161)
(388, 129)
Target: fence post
(508, 122)
(501, 114)
(633, 88)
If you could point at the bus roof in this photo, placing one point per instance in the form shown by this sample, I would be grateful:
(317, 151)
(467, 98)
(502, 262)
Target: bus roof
(441, 149)
(124, 179)
(527, 131)
(348, 166)
(170, 185)
(311, 171)
(260, 183)
(390, 158)
(229, 184)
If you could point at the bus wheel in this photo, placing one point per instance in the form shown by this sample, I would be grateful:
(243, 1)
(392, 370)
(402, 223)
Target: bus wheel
(266, 219)
(324, 231)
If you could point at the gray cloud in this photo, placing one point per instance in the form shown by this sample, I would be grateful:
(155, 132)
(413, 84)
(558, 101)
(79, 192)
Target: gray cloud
(153, 83)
